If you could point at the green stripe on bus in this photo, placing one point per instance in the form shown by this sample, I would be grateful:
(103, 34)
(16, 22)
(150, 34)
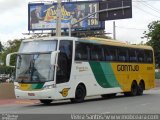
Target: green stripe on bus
(37, 86)
(104, 74)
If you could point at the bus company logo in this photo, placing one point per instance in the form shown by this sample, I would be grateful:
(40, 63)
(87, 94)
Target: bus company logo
(127, 67)
(64, 92)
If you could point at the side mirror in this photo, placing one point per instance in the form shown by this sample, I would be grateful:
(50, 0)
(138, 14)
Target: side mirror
(8, 58)
(54, 57)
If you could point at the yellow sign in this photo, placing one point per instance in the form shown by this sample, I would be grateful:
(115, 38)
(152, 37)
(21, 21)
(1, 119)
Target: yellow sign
(64, 92)
(52, 14)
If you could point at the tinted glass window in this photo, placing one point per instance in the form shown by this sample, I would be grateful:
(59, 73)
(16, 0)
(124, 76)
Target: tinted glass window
(96, 53)
(122, 54)
(148, 56)
(110, 53)
(132, 55)
(140, 55)
(64, 61)
(66, 47)
(82, 51)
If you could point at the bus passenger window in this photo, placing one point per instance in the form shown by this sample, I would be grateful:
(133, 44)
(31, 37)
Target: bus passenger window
(148, 56)
(82, 51)
(140, 55)
(96, 53)
(110, 53)
(122, 54)
(132, 55)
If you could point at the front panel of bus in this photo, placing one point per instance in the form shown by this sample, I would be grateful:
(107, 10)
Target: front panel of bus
(36, 77)
(33, 69)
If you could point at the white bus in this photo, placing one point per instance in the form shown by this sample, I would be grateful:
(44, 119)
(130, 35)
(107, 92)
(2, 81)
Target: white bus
(55, 68)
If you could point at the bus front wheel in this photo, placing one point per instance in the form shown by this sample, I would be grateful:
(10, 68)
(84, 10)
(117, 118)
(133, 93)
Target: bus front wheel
(79, 94)
(47, 102)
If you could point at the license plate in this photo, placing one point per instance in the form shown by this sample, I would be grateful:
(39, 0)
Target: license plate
(31, 94)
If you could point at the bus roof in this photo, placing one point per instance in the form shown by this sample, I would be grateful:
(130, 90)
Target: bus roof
(113, 43)
(52, 38)
(95, 40)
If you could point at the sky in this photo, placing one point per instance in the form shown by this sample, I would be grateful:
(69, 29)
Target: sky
(14, 20)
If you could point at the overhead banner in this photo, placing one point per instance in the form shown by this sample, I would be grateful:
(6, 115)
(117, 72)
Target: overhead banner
(43, 16)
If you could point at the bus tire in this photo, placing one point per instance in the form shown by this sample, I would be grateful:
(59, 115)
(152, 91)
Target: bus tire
(47, 102)
(109, 95)
(134, 89)
(141, 88)
(79, 94)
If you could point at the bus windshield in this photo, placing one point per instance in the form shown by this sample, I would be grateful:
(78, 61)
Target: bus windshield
(33, 62)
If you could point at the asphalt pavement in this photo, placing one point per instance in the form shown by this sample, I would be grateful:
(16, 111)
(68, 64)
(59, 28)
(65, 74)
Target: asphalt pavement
(148, 103)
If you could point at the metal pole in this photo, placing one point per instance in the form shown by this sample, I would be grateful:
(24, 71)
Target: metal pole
(114, 30)
(58, 22)
(70, 26)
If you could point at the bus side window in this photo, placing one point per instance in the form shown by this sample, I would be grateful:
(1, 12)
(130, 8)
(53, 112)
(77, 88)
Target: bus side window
(148, 56)
(122, 54)
(82, 51)
(132, 55)
(96, 53)
(110, 53)
(64, 61)
(140, 55)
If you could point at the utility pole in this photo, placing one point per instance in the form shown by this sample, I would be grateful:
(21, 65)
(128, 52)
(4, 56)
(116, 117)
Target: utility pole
(58, 21)
(114, 30)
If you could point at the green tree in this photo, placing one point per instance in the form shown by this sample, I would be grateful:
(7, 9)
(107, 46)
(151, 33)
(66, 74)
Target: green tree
(153, 37)
(1, 47)
(1, 52)
(12, 46)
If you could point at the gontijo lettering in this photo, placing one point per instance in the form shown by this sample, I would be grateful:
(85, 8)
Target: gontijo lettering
(127, 68)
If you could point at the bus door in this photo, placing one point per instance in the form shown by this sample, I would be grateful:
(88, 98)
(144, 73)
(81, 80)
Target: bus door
(64, 61)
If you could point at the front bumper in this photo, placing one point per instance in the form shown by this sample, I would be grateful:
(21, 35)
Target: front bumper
(40, 94)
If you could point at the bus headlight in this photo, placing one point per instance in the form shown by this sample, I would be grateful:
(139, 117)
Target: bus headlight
(48, 86)
(16, 87)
